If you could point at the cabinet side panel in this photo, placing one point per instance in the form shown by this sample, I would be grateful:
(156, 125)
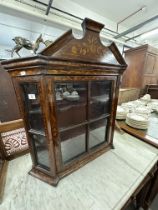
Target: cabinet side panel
(8, 101)
(133, 76)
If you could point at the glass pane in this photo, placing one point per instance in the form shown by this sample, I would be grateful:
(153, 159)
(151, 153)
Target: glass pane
(73, 143)
(100, 98)
(71, 99)
(35, 122)
(97, 132)
(32, 103)
(39, 142)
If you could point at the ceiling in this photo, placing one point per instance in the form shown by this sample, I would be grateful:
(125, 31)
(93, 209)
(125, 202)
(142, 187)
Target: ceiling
(120, 10)
(116, 10)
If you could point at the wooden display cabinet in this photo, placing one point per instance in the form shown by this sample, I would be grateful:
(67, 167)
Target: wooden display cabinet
(68, 96)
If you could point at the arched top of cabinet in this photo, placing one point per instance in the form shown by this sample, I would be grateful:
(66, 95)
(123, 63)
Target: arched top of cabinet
(89, 48)
(67, 52)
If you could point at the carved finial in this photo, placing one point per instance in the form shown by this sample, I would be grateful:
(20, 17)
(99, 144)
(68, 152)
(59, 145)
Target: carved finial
(92, 25)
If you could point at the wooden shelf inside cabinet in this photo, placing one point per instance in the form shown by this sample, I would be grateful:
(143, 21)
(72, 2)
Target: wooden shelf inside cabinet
(68, 98)
(35, 111)
(38, 132)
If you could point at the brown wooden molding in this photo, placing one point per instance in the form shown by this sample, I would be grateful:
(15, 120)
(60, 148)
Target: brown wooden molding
(11, 125)
(140, 134)
(3, 173)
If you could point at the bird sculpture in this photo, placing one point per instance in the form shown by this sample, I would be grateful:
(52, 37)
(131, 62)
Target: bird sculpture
(27, 44)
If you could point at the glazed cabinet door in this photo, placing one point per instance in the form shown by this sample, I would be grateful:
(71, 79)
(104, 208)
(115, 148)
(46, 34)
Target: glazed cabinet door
(35, 110)
(83, 109)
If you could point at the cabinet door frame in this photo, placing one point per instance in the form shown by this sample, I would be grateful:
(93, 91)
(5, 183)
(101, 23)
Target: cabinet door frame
(148, 62)
(41, 85)
(114, 97)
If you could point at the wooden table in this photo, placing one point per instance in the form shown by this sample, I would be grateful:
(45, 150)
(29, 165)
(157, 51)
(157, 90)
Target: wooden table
(150, 135)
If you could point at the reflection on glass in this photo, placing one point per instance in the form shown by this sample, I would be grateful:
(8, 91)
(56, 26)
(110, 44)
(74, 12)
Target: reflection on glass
(78, 107)
(97, 132)
(39, 142)
(71, 99)
(31, 100)
(100, 98)
(73, 143)
(35, 121)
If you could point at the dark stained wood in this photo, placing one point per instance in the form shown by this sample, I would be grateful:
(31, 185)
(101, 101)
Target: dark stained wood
(3, 172)
(142, 67)
(89, 48)
(145, 192)
(150, 135)
(152, 90)
(11, 125)
(67, 60)
(153, 191)
(8, 102)
(133, 76)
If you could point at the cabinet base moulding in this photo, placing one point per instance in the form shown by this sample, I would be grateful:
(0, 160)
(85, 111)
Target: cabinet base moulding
(75, 166)
(44, 177)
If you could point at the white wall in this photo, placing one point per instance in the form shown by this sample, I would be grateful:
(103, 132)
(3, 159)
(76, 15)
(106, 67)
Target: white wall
(21, 19)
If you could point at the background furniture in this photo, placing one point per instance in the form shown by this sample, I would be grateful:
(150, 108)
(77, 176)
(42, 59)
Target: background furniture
(9, 109)
(128, 94)
(152, 90)
(13, 139)
(67, 132)
(142, 67)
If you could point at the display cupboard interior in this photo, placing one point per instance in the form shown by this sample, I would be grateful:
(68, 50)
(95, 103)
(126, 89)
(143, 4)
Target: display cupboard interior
(68, 96)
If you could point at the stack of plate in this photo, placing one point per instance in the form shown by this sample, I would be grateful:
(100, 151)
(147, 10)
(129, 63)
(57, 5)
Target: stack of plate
(130, 106)
(137, 121)
(153, 105)
(121, 113)
(146, 98)
(143, 110)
